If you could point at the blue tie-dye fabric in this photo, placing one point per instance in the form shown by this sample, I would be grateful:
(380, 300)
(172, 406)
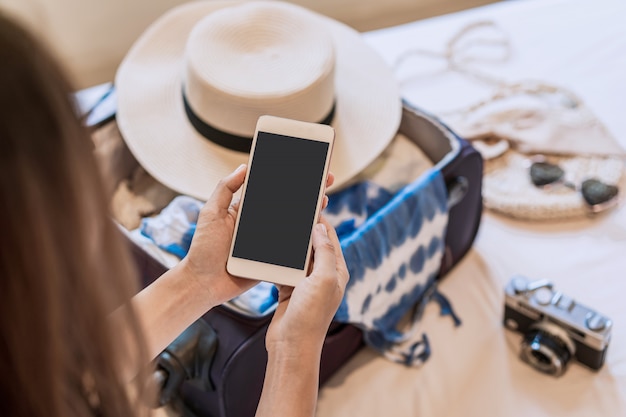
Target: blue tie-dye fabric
(393, 257)
(393, 245)
(348, 209)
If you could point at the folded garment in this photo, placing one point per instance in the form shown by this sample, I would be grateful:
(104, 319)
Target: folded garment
(394, 258)
(258, 301)
(173, 228)
(350, 208)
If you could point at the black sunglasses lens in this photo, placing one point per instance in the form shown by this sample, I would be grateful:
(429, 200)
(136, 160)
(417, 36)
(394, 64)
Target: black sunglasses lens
(543, 173)
(596, 192)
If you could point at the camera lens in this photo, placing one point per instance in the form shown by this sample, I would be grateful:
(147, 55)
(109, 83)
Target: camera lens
(541, 357)
(546, 352)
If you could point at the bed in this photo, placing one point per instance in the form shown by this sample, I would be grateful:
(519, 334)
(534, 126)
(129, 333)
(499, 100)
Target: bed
(474, 369)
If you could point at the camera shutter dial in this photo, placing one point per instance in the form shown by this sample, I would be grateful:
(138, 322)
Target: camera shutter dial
(543, 296)
(595, 322)
(520, 285)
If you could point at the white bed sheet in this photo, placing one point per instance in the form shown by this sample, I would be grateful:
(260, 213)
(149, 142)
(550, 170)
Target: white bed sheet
(474, 369)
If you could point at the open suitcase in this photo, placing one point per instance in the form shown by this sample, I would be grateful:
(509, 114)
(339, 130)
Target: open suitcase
(216, 367)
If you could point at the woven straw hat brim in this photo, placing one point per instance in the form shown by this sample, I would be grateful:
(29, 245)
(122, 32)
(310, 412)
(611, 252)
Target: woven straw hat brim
(152, 118)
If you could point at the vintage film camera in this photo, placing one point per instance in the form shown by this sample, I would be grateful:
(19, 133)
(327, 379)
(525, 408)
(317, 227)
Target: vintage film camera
(555, 328)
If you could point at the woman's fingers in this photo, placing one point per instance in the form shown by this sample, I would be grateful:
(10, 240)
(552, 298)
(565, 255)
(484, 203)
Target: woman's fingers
(324, 252)
(340, 261)
(330, 179)
(223, 194)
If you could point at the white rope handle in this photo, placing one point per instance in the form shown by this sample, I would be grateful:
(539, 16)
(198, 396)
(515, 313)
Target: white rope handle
(457, 54)
(458, 57)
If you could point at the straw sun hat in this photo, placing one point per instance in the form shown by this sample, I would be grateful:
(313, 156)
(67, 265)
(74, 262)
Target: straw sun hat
(192, 87)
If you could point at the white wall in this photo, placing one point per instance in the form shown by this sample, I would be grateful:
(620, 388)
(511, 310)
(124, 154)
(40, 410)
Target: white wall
(92, 36)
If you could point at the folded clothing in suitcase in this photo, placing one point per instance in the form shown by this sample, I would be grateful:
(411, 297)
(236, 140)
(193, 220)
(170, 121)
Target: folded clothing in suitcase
(216, 368)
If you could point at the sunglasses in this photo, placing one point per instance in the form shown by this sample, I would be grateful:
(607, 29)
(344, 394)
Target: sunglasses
(597, 195)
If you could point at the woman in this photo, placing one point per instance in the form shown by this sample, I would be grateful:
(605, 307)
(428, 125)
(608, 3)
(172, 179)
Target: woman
(73, 331)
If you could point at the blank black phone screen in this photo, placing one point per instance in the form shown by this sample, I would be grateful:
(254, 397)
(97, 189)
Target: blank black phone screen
(278, 210)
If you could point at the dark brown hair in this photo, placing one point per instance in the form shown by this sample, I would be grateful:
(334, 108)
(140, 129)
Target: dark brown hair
(63, 265)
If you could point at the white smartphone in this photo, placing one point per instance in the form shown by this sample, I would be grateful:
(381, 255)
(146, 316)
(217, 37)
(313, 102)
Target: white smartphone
(281, 200)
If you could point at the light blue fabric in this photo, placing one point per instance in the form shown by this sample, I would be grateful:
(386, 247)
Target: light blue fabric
(173, 228)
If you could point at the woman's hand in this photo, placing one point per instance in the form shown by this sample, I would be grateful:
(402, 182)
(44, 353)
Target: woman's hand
(206, 260)
(200, 281)
(296, 334)
(304, 313)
